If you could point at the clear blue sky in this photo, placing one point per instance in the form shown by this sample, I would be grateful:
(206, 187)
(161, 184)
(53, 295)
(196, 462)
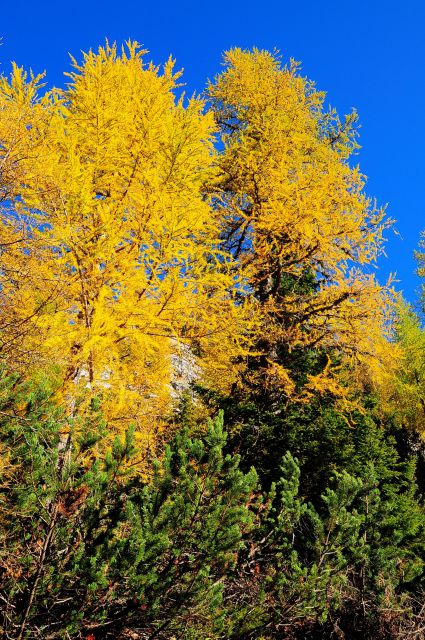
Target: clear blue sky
(367, 54)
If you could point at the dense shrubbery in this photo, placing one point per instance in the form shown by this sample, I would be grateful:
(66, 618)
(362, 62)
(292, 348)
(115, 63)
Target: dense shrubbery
(329, 542)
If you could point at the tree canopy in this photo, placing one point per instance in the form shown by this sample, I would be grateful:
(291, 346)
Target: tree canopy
(129, 235)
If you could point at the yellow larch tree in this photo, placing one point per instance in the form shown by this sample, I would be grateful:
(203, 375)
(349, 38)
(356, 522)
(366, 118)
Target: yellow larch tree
(402, 393)
(15, 116)
(295, 216)
(120, 264)
(402, 390)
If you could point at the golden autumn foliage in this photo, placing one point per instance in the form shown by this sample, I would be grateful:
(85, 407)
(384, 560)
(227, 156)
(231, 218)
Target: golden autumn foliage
(128, 238)
(120, 260)
(402, 391)
(294, 210)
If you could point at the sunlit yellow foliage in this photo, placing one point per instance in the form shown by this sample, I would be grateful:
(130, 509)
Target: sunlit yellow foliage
(129, 241)
(120, 261)
(402, 392)
(293, 209)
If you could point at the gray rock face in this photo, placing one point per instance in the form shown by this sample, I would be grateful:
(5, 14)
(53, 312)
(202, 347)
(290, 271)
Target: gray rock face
(185, 369)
